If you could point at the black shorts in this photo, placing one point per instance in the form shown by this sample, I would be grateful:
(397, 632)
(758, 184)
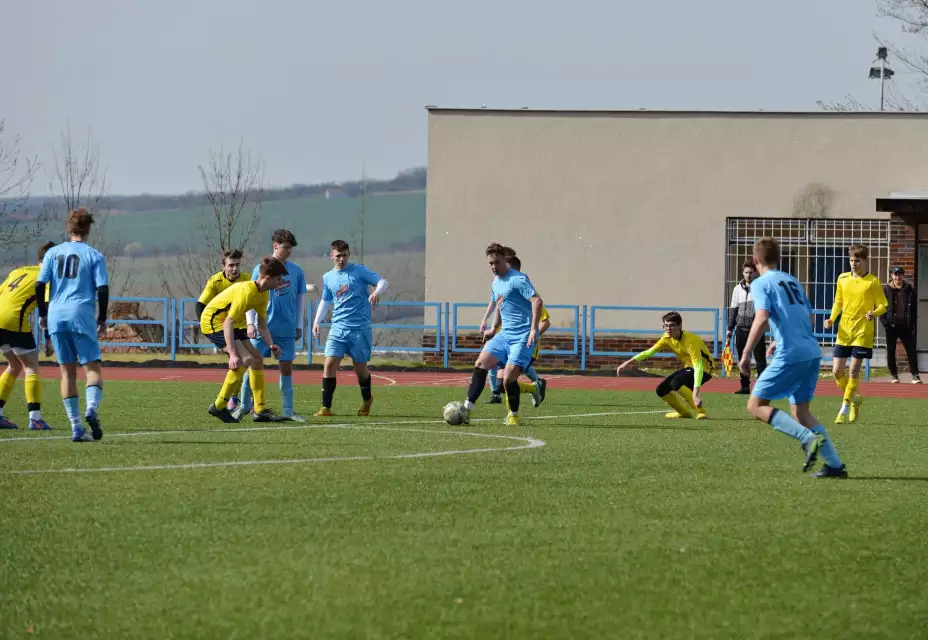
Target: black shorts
(683, 378)
(861, 353)
(219, 338)
(19, 342)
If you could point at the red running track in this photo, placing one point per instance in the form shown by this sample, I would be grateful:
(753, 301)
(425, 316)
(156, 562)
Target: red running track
(454, 379)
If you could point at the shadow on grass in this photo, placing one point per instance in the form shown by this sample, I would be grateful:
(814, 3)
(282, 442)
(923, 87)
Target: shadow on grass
(890, 478)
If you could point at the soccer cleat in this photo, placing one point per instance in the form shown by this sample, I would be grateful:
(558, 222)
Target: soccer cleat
(240, 412)
(268, 416)
(495, 399)
(855, 410)
(702, 413)
(39, 425)
(811, 450)
(365, 409)
(324, 412)
(233, 403)
(743, 391)
(79, 434)
(465, 415)
(295, 417)
(675, 415)
(223, 414)
(93, 421)
(513, 420)
(842, 416)
(6, 424)
(895, 380)
(831, 472)
(538, 395)
(916, 380)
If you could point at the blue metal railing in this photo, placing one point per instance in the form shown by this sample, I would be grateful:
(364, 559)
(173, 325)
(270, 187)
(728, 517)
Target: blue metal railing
(574, 331)
(594, 329)
(399, 326)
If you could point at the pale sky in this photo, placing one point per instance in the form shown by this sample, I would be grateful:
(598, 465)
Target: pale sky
(318, 88)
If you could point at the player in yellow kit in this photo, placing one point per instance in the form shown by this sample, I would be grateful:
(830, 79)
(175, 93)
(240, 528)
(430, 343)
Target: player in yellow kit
(218, 322)
(17, 342)
(681, 389)
(859, 299)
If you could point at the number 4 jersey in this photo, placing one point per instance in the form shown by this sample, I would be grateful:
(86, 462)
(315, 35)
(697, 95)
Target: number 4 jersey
(73, 271)
(17, 299)
(781, 295)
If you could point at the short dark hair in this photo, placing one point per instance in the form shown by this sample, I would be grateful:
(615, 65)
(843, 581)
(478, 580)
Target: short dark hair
(282, 236)
(79, 222)
(496, 249)
(859, 251)
(44, 249)
(271, 267)
(339, 245)
(749, 264)
(515, 263)
(767, 250)
(231, 254)
(673, 317)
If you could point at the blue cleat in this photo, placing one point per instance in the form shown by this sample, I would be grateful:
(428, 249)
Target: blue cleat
(6, 424)
(233, 403)
(94, 423)
(39, 425)
(79, 434)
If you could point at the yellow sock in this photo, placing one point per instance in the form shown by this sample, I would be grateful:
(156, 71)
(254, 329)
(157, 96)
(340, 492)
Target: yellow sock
(687, 395)
(841, 382)
(850, 392)
(526, 387)
(33, 391)
(256, 378)
(678, 404)
(230, 386)
(7, 382)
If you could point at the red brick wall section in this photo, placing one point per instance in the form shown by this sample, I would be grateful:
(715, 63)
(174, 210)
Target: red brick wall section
(560, 342)
(902, 250)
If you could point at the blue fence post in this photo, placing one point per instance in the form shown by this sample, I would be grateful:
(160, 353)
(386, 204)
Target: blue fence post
(447, 327)
(867, 365)
(173, 329)
(583, 342)
(309, 336)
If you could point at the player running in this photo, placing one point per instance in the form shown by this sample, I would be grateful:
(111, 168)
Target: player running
(218, 323)
(680, 389)
(859, 298)
(76, 275)
(17, 342)
(793, 373)
(284, 321)
(344, 291)
(520, 312)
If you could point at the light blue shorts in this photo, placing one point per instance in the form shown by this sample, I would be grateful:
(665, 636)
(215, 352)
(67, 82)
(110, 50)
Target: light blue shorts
(355, 342)
(73, 347)
(287, 348)
(510, 350)
(793, 380)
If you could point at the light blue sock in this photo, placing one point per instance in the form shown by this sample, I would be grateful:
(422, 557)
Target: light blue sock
(494, 382)
(286, 393)
(245, 393)
(782, 422)
(827, 451)
(72, 406)
(531, 374)
(94, 395)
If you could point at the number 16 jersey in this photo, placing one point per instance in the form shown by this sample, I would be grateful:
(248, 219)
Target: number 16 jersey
(781, 295)
(73, 271)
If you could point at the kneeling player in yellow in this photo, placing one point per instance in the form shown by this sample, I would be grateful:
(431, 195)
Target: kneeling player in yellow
(859, 298)
(17, 343)
(681, 389)
(217, 322)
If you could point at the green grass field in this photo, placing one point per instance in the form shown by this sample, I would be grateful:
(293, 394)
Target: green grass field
(622, 525)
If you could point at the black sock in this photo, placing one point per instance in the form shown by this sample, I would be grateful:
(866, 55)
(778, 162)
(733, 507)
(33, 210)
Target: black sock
(365, 388)
(34, 406)
(477, 382)
(514, 395)
(328, 391)
(772, 414)
(2, 403)
(745, 382)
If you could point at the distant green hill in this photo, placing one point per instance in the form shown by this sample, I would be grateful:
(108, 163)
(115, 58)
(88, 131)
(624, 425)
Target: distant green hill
(394, 222)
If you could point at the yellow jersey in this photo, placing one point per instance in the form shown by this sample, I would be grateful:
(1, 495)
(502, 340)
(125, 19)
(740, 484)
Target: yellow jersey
(690, 350)
(17, 299)
(854, 297)
(216, 285)
(233, 303)
(544, 316)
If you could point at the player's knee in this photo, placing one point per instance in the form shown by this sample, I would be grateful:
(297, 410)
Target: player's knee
(15, 367)
(663, 390)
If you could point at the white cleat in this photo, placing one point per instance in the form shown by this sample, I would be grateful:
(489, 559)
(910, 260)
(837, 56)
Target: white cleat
(240, 412)
(295, 417)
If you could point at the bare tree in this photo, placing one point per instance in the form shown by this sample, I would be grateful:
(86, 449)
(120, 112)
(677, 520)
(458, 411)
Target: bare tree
(233, 185)
(813, 201)
(78, 180)
(17, 173)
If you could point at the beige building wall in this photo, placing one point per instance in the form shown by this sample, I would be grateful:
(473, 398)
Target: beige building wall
(629, 208)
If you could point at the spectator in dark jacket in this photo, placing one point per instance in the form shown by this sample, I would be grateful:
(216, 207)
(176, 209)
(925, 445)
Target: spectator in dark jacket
(899, 322)
(740, 319)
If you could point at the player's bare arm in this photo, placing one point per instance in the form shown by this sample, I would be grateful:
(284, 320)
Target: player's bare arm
(266, 335)
(491, 307)
(379, 290)
(536, 315)
(758, 327)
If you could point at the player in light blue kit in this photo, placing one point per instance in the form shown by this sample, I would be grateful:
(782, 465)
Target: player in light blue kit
(284, 321)
(520, 311)
(793, 373)
(76, 273)
(344, 290)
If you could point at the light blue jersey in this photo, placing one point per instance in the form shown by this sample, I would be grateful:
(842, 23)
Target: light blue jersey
(283, 306)
(781, 295)
(347, 290)
(513, 293)
(73, 271)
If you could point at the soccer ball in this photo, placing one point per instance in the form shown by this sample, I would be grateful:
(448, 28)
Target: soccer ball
(454, 413)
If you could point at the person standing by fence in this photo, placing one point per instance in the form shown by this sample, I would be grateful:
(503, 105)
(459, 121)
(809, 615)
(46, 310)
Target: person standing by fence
(899, 323)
